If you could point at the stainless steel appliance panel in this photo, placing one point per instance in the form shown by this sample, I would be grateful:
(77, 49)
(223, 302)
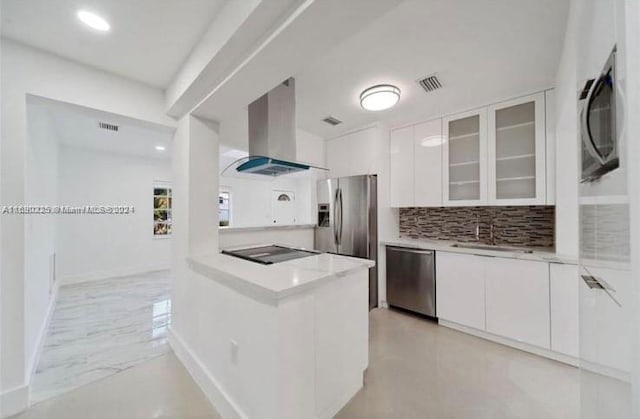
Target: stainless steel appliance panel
(353, 216)
(326, 231)
(350, 203)
(598, 102)
(373, 240)
(411, 280)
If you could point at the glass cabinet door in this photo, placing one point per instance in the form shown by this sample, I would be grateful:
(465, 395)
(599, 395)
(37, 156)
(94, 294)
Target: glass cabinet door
(517, 150)
(464, 158)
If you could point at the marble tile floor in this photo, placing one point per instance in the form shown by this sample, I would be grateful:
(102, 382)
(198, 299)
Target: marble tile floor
(417, 370)
(100, 328)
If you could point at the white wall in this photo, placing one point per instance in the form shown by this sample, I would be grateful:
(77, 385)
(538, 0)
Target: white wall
(195, 220)
(23, 71)
(299, 237)
(102, 246)
(567, 142)
(40, 188)
(251, 200)
(631, 10)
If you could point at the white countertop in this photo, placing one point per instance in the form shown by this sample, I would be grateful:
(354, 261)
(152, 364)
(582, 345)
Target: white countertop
(270, 283)
(446, 246)
(269, 227)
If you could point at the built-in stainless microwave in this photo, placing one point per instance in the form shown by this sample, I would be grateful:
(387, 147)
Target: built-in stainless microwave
(598, 123)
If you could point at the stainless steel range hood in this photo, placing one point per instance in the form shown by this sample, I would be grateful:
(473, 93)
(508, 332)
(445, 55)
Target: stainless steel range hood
(272, 133)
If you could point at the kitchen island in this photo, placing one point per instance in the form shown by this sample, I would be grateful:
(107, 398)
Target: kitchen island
(287, 340)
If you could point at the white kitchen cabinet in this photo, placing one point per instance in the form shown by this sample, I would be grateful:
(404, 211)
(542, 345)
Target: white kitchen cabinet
(401, 150)
(416, 165)
(563, 282)
(363, 152)
(460, 288)
(338, 156)
(355, 153)
(550, 123)
(517, 300)
(517, 151)
(501, 154)
(606, 328)
(427, 164)
(464, 158)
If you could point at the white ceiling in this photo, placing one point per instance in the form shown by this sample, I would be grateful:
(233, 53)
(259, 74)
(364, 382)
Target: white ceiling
(148, 40)
(483, 51)
(76, 126)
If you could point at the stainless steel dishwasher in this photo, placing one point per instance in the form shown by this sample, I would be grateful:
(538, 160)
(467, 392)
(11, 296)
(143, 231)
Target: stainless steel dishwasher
(411, 280)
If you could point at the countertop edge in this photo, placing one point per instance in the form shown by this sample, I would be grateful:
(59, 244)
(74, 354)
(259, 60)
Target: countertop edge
(445, 246)
(258, 292)
(266, 228)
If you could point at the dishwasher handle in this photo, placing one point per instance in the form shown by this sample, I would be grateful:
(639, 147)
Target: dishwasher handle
(406, 250)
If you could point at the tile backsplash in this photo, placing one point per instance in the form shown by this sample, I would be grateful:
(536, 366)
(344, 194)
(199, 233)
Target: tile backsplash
(531, 226)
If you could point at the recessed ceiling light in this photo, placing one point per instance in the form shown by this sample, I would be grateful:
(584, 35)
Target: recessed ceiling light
(93, 21)
(160, 148)
(380, 97)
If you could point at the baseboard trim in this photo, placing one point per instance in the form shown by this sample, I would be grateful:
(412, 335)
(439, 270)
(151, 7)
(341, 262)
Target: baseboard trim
(14, 401)
(207, 383)
(112, 273)
(35, 359)
(546, 353)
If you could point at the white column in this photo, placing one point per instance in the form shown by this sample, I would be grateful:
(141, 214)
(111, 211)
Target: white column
(195, 209)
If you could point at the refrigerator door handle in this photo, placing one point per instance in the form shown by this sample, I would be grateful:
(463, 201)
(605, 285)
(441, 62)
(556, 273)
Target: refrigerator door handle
(341, 218)
(335, 218)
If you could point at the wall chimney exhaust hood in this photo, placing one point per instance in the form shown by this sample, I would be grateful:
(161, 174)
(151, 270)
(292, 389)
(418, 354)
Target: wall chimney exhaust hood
(272, 134)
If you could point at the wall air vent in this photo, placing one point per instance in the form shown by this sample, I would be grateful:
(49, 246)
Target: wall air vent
(332, 121)
(110, 127)
(430, 83)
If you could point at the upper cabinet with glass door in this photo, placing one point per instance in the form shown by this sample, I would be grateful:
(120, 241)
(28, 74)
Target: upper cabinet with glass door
(464, 175)
(517, 151)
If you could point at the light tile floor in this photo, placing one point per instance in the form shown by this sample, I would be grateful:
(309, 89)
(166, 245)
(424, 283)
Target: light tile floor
(160, 388)
(103, 327)
(417, 370)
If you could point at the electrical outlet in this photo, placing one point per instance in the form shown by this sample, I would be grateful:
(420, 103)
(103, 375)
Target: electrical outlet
(233, 351)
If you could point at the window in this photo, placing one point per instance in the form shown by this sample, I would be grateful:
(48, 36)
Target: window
(224, 208)
(162, 210)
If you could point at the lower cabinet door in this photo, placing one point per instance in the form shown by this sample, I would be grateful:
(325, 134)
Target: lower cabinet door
(563, 280)
(517, 300)
(460, 289)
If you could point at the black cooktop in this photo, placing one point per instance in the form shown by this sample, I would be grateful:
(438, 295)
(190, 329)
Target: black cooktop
(268, 255)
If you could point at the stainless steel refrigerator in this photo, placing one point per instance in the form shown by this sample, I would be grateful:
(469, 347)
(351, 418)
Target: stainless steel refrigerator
(348, 221)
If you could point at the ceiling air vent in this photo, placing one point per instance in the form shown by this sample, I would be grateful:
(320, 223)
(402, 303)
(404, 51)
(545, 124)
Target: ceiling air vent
(430, 83)
(332, 121)
(110, 127)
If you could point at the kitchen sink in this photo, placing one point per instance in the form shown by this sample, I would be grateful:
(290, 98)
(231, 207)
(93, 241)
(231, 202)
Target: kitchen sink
(490, 247)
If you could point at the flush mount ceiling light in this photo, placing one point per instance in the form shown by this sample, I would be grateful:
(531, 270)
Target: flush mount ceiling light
(93, 21)
(160, 148)
(380, 97)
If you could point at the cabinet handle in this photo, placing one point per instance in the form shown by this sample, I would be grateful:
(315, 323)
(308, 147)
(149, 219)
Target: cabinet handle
(597, 283)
